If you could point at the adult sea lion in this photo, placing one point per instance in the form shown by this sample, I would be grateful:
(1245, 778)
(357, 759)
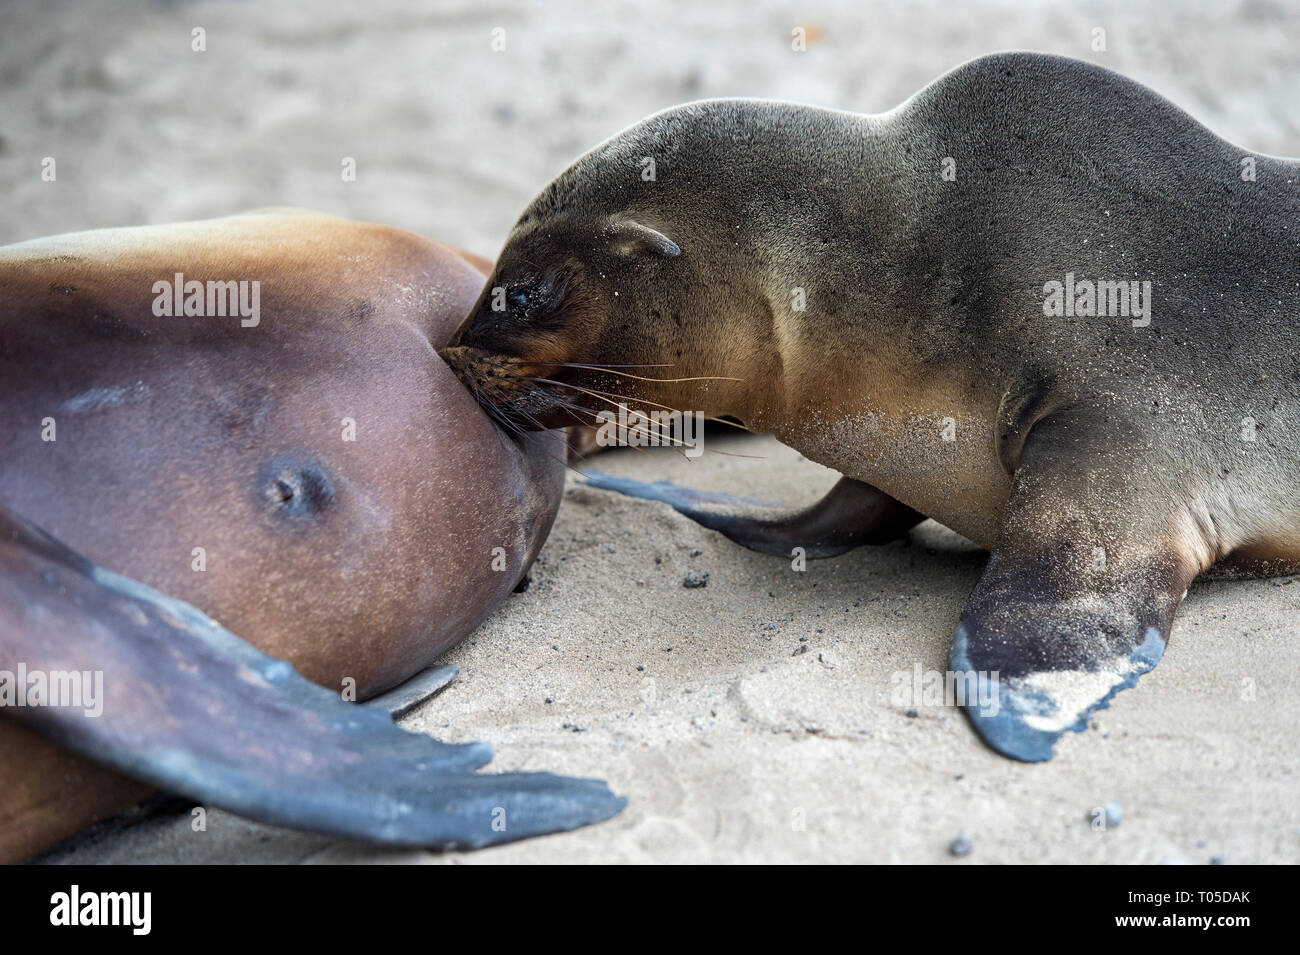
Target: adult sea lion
(1037, 303)
(291, 457)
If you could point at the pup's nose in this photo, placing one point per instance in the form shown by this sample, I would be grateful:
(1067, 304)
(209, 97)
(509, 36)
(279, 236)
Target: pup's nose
(454, 355)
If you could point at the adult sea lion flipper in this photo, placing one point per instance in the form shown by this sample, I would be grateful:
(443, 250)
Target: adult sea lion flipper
(1076, 602)
(186, 705)
(852, 513)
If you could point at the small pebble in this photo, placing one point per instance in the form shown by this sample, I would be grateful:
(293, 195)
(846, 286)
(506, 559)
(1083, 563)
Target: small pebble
(961, 846)
(696, 579)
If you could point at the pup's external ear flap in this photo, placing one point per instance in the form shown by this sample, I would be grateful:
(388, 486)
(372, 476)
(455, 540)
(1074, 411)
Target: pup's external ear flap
(630, 237)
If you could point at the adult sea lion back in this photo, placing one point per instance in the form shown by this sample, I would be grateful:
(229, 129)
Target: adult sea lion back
(1037, 303)
(248, 415)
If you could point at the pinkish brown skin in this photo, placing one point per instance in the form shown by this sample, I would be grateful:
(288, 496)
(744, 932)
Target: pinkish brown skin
(175, 433)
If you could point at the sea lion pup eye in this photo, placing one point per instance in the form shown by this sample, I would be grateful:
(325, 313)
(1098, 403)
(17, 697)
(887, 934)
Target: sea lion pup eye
(540, 302)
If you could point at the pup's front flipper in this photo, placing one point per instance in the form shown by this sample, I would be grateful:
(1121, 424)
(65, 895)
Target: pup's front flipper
(171, 698)
(850, 515)
(1095, 554)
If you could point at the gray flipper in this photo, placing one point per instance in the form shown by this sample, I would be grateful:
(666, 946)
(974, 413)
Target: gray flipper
(424, 686)
(191, 708)
(851, 514)
(1080, 592)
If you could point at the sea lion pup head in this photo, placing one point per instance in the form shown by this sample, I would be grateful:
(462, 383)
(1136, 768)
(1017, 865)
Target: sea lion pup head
(557, 292)
(614, 285)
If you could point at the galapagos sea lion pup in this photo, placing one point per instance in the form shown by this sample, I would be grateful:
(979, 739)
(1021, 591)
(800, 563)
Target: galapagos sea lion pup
(1037, 303)
(244, 420)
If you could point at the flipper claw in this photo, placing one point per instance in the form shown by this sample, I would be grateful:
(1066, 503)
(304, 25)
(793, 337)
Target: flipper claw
(425, 685)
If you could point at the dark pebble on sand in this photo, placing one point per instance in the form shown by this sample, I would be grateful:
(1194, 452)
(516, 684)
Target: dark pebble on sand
(912, 714)
(961, 846)
(640, 668)
(696, 579)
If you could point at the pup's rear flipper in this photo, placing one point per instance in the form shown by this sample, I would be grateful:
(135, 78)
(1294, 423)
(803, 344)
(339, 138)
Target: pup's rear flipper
(1079, 594)
(168, 696)
(851, 514)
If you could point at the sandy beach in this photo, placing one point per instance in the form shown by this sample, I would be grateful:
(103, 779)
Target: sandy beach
(752, 719)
